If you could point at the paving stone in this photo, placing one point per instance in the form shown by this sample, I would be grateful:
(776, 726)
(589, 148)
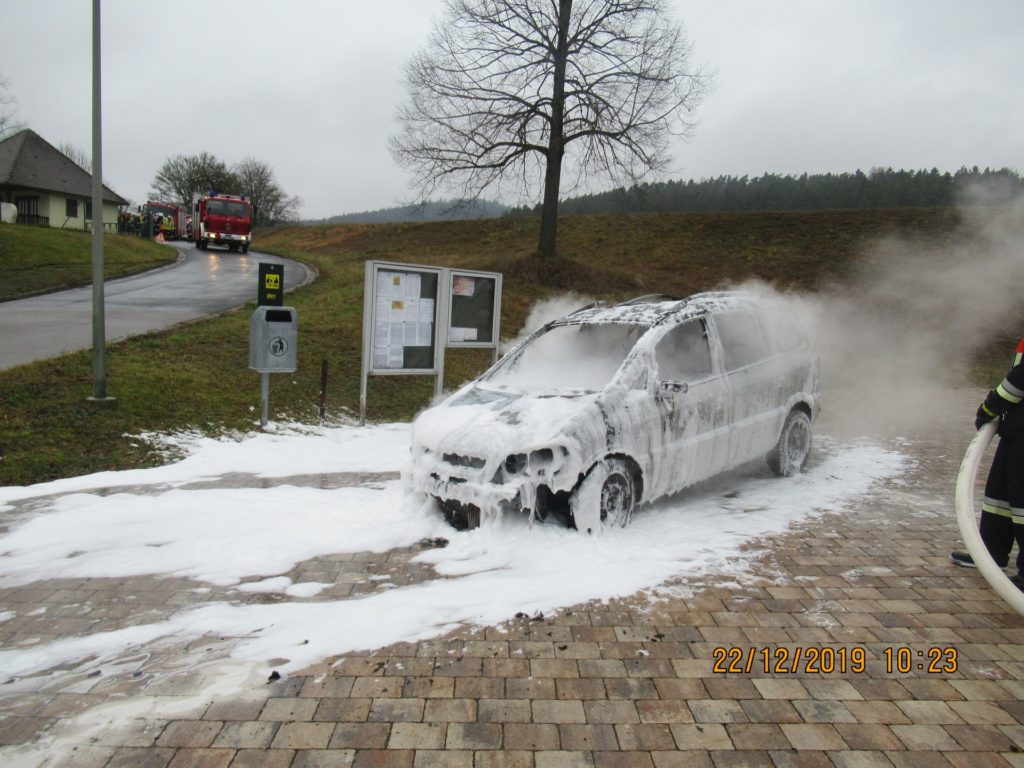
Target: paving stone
(644, 736)
(503, 759)
(658, 711)
(263, 758)
(711, 711)
(246, 735)
(744, 759)
(202, 758)
(548, 759)
(474, 736)
(417, 736)
(860, 759)
(360, 736)
(189, 733)
(396, 710)
(504, 711)
(558, 711)
(427, 758)
(324, 758)
(300, 735)
(812, 736)
(584, 738)
(450, 711)
(531, 736)
(235, 709)
(919, 737)
(391, 758)
(707, 736)
(752, 736)
(140, 757)
(676, 759)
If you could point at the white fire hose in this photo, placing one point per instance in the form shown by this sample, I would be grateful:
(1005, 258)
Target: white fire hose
(968, 523)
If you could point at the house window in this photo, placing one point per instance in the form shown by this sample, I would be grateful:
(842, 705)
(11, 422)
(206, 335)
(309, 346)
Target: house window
(71, 208)
(88, 210)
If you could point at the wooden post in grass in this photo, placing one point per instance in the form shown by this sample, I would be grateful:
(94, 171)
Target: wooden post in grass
(323, 391)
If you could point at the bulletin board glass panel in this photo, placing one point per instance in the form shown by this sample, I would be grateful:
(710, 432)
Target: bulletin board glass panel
(472, 316)
(404, 320)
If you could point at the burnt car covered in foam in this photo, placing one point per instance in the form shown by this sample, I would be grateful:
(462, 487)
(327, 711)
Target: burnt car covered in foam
(613, 406)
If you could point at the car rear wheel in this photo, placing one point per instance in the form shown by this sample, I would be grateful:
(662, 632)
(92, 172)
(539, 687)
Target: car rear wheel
(791, 453)
(605, 498)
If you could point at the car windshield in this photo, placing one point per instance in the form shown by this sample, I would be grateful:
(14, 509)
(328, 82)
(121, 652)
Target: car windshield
(568, 357)
(227, 208)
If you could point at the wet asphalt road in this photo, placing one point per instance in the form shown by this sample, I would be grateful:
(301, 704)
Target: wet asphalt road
(199, 284)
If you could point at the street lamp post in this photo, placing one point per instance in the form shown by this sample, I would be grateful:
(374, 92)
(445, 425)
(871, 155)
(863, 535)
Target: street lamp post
(99, 361)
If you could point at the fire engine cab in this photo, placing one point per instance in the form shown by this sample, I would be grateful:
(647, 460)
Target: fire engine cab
(221, 220)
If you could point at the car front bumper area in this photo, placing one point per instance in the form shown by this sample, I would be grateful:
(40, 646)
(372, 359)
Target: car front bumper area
(468, 489)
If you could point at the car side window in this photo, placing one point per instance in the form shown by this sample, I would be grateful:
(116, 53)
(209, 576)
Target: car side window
(782, 330)
(741, 339)
(683, 354)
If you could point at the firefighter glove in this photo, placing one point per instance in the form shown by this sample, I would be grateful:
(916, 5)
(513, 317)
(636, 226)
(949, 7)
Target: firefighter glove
(984, 416)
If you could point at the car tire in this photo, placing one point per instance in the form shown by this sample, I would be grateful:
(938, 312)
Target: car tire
(791, 454)
(605, 498)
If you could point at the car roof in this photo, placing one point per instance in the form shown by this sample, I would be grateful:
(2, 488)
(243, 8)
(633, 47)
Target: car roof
(656, 308)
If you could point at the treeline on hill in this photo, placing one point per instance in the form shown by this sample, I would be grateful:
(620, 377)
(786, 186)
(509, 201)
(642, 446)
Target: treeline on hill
(880, 188)
(434, 210)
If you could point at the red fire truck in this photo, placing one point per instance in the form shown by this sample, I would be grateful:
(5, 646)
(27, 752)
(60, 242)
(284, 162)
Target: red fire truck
(221, 220)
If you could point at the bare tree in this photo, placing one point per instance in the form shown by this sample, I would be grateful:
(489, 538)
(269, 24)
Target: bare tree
(76, 155)
(505, 90)
(182, 175)
(9, 123)
(271, 203)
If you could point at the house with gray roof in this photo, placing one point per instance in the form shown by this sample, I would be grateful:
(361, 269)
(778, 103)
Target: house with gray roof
(48, 188)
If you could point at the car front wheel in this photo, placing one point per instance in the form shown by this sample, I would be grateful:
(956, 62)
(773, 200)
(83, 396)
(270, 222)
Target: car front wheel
(791, 453)
(605, 498)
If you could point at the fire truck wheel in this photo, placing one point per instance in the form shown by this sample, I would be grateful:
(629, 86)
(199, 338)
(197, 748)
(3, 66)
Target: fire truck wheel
(245, 248)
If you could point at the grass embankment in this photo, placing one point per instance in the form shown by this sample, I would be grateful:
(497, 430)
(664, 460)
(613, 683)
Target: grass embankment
(37, 259)
(196, 376)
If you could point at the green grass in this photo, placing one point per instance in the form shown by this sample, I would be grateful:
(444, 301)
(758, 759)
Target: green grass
(196, 376)
(37, 259)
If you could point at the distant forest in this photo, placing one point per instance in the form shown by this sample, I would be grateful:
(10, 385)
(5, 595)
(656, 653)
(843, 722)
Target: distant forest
(880, 188)
(438, 210)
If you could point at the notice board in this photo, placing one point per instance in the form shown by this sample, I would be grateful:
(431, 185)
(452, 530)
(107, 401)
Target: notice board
(411, 313)
(473, 309)
(404, 319)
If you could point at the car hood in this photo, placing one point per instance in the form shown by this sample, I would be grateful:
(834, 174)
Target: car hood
(492, 424)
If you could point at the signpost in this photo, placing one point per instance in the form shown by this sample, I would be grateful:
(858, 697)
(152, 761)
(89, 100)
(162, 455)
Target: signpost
(273, 333)
(412, 312)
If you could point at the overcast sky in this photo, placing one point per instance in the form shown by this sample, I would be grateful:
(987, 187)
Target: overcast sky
(310, 86)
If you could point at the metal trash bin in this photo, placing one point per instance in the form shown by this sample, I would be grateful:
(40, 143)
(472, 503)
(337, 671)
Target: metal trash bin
(273, 339)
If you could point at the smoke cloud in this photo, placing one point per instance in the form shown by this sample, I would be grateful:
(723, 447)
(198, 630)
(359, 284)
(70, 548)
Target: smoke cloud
(896, 339)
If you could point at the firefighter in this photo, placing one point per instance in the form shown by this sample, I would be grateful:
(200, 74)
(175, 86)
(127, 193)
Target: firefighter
(168, 227)
(1002, 511)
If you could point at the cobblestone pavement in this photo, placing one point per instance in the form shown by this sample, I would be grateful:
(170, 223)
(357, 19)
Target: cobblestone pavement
(879, 652)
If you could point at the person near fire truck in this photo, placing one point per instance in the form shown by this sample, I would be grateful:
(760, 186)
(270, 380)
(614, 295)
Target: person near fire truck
(1002, 510)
